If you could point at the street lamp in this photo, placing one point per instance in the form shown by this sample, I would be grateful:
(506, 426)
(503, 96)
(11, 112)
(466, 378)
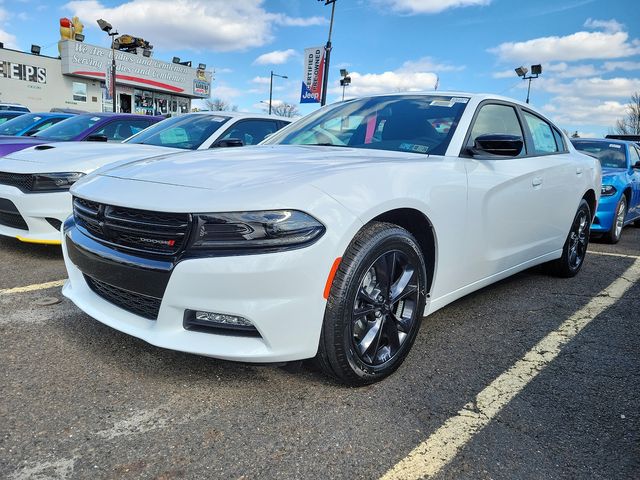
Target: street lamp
(271, 87)
(327, 54)
(536, 70)
(345, 80)
(107, 28)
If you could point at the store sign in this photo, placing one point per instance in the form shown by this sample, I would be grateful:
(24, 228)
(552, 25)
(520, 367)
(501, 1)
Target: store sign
(85, 60)
(312, 74)
(201, 88)
(19, 71)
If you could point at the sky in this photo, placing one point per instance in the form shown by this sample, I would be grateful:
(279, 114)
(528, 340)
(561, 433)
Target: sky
(589, 49)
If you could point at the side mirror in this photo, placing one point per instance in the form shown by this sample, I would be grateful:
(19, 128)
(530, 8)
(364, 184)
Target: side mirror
(229, 142)
(637, 165)
(497, 144)
(97, 137)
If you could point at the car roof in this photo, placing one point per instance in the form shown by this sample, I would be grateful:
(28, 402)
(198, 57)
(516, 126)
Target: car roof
(118, 115)
(606, 140)
(239, 115)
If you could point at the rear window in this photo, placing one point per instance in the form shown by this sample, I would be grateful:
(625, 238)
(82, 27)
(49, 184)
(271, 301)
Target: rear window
(69, 129)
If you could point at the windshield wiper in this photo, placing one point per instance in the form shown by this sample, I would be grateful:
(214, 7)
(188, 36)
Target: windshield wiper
(326, 144)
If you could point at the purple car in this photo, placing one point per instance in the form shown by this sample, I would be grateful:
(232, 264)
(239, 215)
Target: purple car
(90, 127)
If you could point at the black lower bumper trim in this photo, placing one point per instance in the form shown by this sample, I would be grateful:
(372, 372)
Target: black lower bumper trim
(134, 274)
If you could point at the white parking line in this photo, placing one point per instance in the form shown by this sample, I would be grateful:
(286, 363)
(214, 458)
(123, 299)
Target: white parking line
(31, 288)
(428, 458)
(621, 255)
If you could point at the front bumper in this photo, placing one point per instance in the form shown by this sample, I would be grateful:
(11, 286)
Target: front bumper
(605, 214)
(34, 209)
(280, 293)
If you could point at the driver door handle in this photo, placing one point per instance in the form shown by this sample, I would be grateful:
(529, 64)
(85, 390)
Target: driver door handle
(536, 182)
(579, 171)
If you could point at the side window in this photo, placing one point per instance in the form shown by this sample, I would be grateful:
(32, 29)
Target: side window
(121, 129)
(559, 140)
(251, 132)
(633, 155)
(542, 133)
(496, 119)
(79, 91)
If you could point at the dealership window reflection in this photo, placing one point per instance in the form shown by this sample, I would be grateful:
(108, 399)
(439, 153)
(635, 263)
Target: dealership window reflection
(79, 92)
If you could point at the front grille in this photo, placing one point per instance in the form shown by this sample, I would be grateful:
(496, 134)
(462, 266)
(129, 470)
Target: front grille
(157, 233)
(23, 181)
(136, 303)
(10, 216)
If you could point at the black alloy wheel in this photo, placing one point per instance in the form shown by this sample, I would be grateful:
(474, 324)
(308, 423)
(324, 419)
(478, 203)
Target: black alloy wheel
(575, 247)
(375, 306)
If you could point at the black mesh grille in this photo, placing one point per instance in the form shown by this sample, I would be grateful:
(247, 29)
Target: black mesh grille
(136, 303)
(10, 216)
(157, 233)
(24, 181)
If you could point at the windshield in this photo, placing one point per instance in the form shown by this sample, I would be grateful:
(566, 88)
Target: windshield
(18, 124)
(186, 131)
(611, 155)
(403, 123)
(69, 129)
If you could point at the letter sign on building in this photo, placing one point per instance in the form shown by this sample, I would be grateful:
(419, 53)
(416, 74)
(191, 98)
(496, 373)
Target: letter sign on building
(19, 71)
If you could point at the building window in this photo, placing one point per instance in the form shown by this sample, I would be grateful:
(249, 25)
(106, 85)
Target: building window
(79, 92)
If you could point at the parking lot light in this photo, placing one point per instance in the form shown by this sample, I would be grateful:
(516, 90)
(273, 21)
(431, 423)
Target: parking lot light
(536, 70)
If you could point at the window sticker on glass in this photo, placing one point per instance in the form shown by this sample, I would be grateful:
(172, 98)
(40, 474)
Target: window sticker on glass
(442, 103)
(615, 145)
(459, 100)
(35, 119)
(218, 119)
(412, 147)
(95, 119)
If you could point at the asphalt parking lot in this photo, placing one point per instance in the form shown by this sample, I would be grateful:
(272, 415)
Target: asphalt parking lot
(82, 400)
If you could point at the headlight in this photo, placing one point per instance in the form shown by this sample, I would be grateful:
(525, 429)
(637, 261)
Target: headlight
(608, 190)
(54, 181)
(260, 230)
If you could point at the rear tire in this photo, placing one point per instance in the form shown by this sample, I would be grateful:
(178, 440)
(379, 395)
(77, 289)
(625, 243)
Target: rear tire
(375, 306)
(575, 247)
(615, 232)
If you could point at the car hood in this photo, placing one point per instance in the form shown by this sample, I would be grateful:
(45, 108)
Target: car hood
(611, 172)
(77, 156)
(229, 169)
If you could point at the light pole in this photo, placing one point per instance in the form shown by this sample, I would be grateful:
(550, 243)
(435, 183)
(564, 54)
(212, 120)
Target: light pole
(327, 54)
(271, 87)
(107, 28)
(536, 70)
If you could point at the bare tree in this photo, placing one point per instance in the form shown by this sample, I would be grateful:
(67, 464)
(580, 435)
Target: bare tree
(630, 123)
(218, 104)
(285, 110)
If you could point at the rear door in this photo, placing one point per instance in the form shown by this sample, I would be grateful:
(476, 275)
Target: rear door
(634, 173)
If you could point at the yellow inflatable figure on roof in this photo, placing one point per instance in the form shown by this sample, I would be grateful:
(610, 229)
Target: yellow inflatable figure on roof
(69, 29)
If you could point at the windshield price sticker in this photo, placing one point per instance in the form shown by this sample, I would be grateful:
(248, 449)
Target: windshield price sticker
(95, 119)
(217, 119)
(615, 145)
(459, 100)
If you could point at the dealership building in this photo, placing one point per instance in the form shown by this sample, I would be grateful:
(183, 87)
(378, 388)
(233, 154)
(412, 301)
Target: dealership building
(78, 79)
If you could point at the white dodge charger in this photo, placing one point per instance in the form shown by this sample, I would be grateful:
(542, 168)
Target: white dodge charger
(335, 236)
(34, 183)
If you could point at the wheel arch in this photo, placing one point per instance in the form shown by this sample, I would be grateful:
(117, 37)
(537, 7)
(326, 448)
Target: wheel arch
(419, 225)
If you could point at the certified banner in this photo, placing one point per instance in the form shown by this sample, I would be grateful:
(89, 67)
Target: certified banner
(312, 74)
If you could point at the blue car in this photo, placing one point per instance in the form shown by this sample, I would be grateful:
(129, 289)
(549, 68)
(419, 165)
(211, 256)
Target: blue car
(31, 123)
(620, 195)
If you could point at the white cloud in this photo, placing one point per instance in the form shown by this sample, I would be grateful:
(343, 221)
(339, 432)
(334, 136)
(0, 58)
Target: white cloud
(7, 38)
(261, 80)
(387, 82)
(218, 25)
(225, 92)
(576, 111)
(427, 6)
(277, 57)
(611, 26)
(577, 46)
(610, 66)
(428, 64)
(299, 21)
(591, 87)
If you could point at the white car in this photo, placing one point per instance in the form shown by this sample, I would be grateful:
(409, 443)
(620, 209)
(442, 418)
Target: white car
(34, 183)
(333, 237)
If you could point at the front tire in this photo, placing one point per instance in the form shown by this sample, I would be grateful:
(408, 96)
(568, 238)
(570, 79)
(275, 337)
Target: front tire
(375, 306)
(614, 234)
(575, 247)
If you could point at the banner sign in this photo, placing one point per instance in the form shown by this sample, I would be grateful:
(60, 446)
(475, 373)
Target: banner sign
(108, 81)
(84, 60)
(313, 74)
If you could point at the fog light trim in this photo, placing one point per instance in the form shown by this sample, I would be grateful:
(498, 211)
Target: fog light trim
(218, 323)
